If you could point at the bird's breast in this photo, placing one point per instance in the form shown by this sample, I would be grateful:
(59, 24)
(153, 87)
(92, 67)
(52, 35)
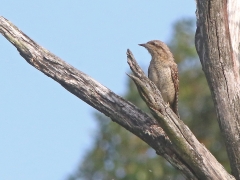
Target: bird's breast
(162, 78)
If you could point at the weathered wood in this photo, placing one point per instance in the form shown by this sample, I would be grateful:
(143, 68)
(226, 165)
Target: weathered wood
(233, 7)
(101, 98)
(217, 40)
(185, 153)
(201, 161)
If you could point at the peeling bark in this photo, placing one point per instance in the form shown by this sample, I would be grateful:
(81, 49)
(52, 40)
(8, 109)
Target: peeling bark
(176, 143)
(217, 40)
(96, 95)
(199, 159)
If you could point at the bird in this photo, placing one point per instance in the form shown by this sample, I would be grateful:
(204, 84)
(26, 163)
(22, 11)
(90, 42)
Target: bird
(163, 72)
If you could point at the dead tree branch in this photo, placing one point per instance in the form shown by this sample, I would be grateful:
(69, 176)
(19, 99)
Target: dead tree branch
(203, 163)
(217, 40)
(184, 152)
(101, 98)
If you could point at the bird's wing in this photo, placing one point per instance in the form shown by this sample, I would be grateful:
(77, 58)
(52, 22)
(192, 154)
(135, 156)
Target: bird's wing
(174, 73)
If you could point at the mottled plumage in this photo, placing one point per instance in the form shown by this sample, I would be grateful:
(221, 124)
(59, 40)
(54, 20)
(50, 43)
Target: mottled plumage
(163, 72)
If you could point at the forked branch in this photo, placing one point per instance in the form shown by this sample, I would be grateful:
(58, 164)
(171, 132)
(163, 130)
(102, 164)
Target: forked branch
(101, 98)
(196, 162)
(203, 163)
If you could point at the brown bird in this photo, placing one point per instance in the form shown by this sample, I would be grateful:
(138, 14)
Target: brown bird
(163, 72)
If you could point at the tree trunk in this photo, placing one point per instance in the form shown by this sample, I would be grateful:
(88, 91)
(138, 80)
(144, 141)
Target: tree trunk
(217, 41)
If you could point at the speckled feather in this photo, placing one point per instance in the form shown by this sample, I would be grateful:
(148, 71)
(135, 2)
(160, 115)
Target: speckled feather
(163, 72)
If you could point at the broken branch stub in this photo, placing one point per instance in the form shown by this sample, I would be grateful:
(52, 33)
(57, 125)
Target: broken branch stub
(198, 158)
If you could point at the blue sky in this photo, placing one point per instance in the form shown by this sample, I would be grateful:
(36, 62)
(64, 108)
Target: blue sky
(45, 130)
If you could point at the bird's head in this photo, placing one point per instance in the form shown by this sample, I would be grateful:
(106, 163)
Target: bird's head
(157, 49)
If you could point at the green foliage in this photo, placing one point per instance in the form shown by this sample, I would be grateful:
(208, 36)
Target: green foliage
(118, 154)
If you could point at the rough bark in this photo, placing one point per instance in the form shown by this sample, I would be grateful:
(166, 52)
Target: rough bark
(217, 40)
(233, 8)
(195, 154)
(183, 151)
(101, 98)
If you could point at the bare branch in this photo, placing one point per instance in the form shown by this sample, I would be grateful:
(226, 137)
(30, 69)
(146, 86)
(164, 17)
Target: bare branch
(101, 98)
(185, 153)
(203, 163)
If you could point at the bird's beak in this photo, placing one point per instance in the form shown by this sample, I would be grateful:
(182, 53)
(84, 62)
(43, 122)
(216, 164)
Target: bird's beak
(144, 45)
